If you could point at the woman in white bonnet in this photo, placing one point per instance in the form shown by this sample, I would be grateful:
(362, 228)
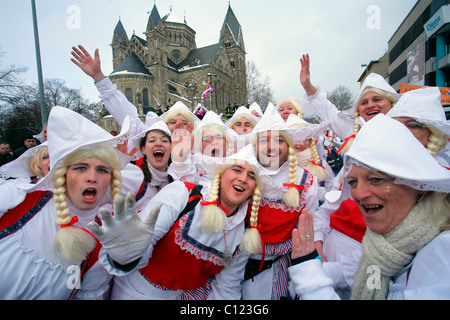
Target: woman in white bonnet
(242, 121)
(32, 165)
(422, 113)
(289, 105)
(339, 222)
(28, 169)
(375, 96)
(403, 194)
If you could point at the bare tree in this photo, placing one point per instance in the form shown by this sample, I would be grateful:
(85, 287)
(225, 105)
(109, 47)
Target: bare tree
(258, 90)
(22, 114)
(342, 98)
(9, 82)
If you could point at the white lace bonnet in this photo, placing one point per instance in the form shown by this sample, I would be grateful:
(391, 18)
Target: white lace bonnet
(69, 131)
(152, 122)
(176, 109)
(423, 105)
(272, 120)
(242, 112)
(386, 145)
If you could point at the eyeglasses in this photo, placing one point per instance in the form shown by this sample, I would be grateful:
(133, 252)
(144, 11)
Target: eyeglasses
(210, 138)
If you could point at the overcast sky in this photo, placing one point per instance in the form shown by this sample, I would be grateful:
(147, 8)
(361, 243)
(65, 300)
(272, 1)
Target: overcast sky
(339, 35)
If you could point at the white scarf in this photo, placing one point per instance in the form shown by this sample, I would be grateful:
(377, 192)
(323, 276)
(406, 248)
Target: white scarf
(393, 251)
(303, 157)
(159, 178)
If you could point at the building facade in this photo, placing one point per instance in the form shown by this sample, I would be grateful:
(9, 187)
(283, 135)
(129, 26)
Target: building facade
(419, 49)
(166, 66)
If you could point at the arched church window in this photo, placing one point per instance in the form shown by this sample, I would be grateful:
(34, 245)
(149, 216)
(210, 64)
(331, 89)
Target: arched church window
(129, 94)
(145, 97)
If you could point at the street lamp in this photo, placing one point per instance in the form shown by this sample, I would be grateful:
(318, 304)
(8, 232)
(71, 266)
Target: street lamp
(210, 76)
(39, 67)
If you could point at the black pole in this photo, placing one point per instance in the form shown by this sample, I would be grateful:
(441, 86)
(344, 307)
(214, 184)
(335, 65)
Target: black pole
(39, 67)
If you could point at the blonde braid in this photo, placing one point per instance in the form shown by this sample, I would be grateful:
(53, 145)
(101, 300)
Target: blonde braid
(59, 196)
(71, 244)
(435, 143)
(251, 241)
(215, 187)
(213, 219)
(230, 146)
(255, 207)
(357, 126)
(315, 169)
(116, 183)
(292, 197)
(314, 152)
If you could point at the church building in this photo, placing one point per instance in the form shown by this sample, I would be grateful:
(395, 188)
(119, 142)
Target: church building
(166, 66)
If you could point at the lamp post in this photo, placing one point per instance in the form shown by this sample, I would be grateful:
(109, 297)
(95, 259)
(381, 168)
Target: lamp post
(39, 67)
(210, 77)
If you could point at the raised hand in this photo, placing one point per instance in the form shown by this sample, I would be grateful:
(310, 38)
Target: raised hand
(90, 66)
(305, 76)
(303, 236)
(181, 144)
(124, 236)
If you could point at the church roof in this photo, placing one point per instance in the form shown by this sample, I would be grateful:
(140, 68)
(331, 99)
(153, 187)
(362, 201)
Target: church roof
(172, 17)
(142, 41)
(154, 16)
(120, 30)
(132, 64)
(200, 57)
(232, 23)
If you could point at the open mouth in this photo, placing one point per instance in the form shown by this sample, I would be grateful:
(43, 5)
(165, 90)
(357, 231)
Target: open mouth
(373, 113)
(238, 188)
(89, 194)
(372, 209)
(158, 154)
(215, 152)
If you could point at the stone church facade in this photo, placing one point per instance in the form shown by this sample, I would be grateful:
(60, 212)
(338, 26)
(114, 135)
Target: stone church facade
(166, 66)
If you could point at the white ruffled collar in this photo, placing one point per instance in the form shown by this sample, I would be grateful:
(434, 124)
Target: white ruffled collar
(159, 178)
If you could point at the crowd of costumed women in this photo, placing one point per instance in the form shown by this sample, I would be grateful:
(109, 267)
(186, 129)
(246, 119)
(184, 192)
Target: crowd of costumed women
(247, 208)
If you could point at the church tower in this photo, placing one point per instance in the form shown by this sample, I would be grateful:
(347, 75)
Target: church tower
(232, 37)
(119, 44)
(181, 38)
(156, 39)
(165, 65)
